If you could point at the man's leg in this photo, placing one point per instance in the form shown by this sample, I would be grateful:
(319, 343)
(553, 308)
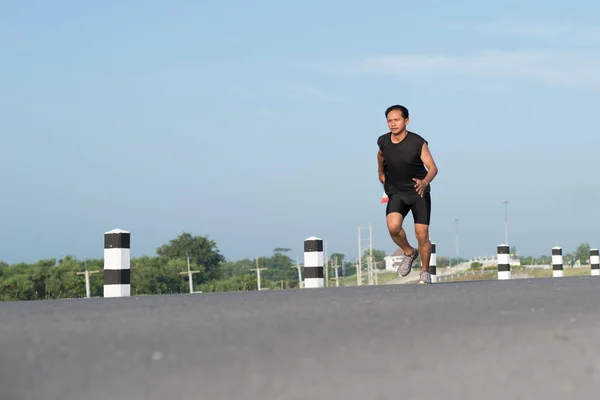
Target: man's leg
(396, 212)
(422, 215)
(397, 233)
(424, 245)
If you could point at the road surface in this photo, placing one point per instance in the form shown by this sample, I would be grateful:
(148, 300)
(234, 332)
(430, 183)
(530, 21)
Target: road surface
(519, 339)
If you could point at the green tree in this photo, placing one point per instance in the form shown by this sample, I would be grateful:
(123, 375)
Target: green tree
(202, 251)
(337, 257)
(156, 275)
(442, 262)
(378, 258)
(280, 267)
(475, 265)
(582, 253)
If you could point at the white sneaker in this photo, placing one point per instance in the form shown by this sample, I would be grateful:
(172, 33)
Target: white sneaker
(425, 278)
(407, 262)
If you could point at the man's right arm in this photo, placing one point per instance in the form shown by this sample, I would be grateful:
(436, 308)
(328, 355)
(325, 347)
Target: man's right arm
(380, 166)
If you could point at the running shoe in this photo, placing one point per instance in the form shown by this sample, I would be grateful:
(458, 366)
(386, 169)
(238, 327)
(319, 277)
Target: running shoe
(425, 278)
(405, 267)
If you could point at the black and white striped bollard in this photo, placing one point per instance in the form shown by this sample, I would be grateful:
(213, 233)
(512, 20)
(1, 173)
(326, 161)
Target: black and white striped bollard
(594, 262)
(433, 264)
(117, 258)
(557, 262)
(503, 262)
(313, 262)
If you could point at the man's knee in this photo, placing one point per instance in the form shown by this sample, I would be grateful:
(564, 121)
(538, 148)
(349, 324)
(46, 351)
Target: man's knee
(395, 228)
(394, 223)
(422, 234)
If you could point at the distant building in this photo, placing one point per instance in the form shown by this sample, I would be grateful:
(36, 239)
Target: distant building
(392, 262)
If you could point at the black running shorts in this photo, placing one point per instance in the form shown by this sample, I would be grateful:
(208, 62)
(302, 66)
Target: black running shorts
(403, 203)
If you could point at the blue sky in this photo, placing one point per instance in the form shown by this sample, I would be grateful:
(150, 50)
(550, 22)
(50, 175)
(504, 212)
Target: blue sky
(256, 124)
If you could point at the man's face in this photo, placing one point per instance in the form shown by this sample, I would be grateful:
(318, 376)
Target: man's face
(396, 122)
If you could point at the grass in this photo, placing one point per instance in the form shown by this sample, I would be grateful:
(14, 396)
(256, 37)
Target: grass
(478, 276)
(383, 277)
(519, 273)
(487, 274)
(547, 273)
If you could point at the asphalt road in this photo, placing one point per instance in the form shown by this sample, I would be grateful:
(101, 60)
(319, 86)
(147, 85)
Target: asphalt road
(519, 339)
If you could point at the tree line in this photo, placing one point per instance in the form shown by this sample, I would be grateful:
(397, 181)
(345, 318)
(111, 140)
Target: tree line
(580, 255)
(164, 273)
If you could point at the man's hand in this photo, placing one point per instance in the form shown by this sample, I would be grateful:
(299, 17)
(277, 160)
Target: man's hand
(420, 185)
(382, 178)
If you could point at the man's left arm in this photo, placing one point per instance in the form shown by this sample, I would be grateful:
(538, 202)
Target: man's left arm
(427, 159)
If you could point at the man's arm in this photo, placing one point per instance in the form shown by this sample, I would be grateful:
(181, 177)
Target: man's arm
(427, 159)
(380, 166)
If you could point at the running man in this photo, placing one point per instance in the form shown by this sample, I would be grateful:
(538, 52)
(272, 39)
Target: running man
(406, 169)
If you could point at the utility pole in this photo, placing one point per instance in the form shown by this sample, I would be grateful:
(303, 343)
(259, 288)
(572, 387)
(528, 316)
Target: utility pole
(337, 277)
(87, 279)
(189, 273)
(376, 273)
(505, 202)
(358, 262)
(299, 273)
(326, 266)
(258, 274)
(456, 234)
(369, 258)
(370, 254)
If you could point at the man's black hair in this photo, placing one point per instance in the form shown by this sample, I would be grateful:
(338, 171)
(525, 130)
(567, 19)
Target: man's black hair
(402, 109)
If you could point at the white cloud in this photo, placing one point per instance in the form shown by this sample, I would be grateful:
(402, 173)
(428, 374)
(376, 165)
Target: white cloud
(575, 35)
(562, 54)
(564, 69)
(512, 27)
